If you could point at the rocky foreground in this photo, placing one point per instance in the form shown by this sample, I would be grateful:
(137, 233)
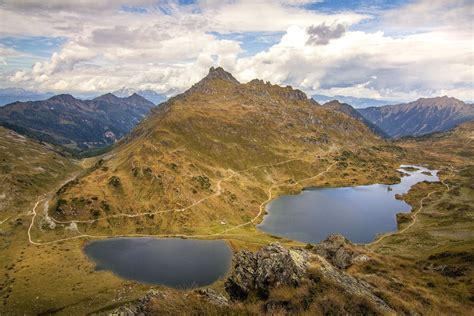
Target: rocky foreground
(277, 280)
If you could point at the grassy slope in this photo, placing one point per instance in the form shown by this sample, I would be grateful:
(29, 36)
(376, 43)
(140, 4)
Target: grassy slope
(27, 168)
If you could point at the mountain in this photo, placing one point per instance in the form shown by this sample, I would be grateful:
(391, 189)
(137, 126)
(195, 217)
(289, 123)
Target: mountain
(356, 102)
(204, 165)
(349, 110)
(76, 124)
(9, 95)
(203, 162)
(423, 116)
(148, 94)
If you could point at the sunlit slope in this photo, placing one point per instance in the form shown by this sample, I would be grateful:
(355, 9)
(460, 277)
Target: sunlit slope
(455, 146)
(27, 170)
(205, 161)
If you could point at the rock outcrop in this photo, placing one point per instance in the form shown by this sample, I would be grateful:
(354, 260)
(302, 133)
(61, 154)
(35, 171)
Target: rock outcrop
(339, 251)
(270, 267)
(207, 84)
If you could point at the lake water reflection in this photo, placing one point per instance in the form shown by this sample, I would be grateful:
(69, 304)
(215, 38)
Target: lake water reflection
(359, 213)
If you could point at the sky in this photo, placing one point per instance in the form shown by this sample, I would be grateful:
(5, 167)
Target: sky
(388, 50)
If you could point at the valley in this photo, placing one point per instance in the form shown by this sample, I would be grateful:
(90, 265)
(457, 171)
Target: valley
(204, 165)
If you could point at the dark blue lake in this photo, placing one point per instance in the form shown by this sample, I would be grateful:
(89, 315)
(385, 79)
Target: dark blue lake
(359, 213)
(178, 263)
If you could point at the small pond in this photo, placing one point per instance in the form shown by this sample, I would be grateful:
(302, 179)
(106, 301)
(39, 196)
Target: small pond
(178, 263)
(359, 213)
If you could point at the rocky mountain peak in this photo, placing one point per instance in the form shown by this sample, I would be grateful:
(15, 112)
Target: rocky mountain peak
(108, 97)
(66, 98)
(220, 73)
(208, 83)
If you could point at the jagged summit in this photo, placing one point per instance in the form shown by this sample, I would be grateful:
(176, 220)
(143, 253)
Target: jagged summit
(220, 73)
(211, 83)
(220, 81)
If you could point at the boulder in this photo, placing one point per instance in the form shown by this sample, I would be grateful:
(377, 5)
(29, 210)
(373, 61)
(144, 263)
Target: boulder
(339, 251)
(272, 266)
(242, 280)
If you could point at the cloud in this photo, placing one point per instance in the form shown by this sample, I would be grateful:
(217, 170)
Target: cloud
(423, 15)
(373, 64)
(322, 34)
(5, 53)
(409, 51)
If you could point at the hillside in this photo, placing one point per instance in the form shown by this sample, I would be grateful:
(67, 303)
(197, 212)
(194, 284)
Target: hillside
(455, 146)
(27, 169)
(349, 110)
(220, 146)
(76, 124)
(420, 117)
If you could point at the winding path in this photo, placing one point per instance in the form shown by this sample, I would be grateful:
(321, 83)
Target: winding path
(218, 192)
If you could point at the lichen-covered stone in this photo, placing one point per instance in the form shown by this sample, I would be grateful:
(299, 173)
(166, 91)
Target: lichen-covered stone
(272, 266)
(338, 250)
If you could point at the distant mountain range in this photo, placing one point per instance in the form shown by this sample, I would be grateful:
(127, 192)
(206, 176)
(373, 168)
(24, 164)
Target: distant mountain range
(75, 124)
(148, 94)
(353, 101)
(9, 95)
(423, 116)
(349, 110)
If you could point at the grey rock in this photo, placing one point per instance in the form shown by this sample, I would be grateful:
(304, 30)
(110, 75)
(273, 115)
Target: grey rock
(338, 250)
(270, 267)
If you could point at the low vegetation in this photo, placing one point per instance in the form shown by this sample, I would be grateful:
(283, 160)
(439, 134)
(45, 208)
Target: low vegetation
(204, 165)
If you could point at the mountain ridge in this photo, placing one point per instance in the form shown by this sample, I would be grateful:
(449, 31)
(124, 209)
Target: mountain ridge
(75, 124)
(349, 110)
(423, 116)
